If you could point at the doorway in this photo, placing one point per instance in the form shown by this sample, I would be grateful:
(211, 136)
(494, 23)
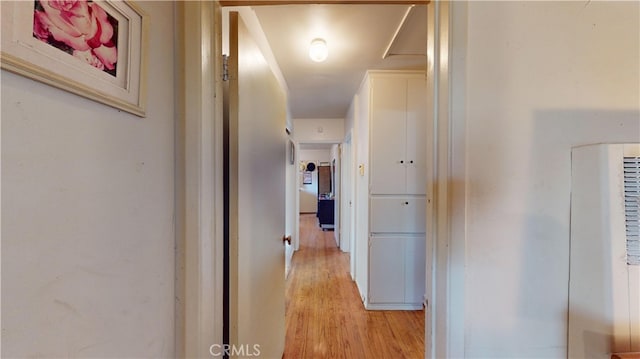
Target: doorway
(317, 177)
(200, 292)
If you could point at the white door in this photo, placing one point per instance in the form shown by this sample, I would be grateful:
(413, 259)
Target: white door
(387, 270)
(416, 136)
(257, 147)
(388, 135)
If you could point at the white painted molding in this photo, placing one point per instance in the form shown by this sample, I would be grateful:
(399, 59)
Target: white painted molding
(459, 187)
(442, 336)
(199, 191)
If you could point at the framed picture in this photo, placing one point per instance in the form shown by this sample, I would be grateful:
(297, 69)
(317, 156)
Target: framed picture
(95, 49)
(307, 178)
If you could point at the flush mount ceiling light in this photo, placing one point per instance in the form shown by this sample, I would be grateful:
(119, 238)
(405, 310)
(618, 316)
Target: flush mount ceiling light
(318, 50)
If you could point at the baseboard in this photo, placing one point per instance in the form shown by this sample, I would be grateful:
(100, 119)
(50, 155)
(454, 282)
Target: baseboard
(379, 306)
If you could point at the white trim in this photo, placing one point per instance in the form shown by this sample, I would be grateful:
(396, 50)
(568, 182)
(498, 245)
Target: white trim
(199, 192)
(444, 317)
(430, 335)
(402, 306)
(441, 188)
(458, 179)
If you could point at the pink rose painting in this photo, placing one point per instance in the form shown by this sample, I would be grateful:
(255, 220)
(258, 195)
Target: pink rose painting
(80, 28)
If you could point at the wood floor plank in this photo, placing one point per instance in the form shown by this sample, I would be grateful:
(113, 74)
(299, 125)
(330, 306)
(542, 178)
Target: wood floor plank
(325, 317)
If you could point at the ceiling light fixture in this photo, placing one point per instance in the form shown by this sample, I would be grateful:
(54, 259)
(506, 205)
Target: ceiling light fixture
(318, 50)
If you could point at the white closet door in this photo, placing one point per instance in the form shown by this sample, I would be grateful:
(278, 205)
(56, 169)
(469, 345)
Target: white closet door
(388, 134)
(386, 270)
(416, 136)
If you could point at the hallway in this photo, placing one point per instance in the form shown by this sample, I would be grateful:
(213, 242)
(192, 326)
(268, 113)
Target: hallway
(325, 317)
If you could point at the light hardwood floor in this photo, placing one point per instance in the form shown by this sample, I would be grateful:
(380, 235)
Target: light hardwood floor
(325, 317)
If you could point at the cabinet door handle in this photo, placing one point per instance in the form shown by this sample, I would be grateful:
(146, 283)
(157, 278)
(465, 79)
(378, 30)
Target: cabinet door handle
(406, 203)
(410, 161)
(401, 161)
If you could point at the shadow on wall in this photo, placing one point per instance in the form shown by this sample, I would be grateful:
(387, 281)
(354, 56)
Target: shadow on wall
(545, 185)
(597, 345)
(518, 225)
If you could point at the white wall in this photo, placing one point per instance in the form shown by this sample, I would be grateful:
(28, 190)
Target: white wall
(349, 117)
(309, 192)
(319, 130)
(87, 212)
(541, 77)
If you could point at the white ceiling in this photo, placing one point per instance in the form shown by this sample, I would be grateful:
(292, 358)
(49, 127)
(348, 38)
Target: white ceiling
(357, 36)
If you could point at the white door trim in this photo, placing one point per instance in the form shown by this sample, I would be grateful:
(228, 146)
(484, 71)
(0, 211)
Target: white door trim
(199, 180)
(446, 201)
(457, 177)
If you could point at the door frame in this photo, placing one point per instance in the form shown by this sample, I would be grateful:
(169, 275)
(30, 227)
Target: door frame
(199, 194)
(199, 183)
(444, 317)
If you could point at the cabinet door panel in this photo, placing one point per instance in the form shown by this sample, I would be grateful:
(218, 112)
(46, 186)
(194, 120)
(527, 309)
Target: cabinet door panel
(388, 133)
(386, 270)
(398, 215)
(415, 252)
(416, 136)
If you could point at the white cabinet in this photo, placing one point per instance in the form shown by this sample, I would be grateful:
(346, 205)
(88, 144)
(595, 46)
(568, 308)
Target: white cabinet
(398, 215)
(391, 131)
(398, 135)
(396, 273)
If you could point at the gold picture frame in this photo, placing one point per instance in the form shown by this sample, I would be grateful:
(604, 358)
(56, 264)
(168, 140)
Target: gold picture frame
(95, 49)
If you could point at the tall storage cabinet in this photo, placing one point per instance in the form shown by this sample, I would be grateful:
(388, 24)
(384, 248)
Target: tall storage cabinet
(392, 124)
(398, 130)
